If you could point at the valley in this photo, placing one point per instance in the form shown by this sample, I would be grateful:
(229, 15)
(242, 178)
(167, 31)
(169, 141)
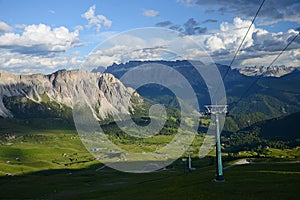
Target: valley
(40, 143)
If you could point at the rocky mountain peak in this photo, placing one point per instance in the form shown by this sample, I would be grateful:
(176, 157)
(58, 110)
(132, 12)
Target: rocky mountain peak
(273, 71)
(103, 91)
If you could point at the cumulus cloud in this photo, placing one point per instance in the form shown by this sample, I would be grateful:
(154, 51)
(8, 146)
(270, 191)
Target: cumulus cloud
(272, 11)
(145, 44)
(4, 27)
(19, 51)
(39, 49)
(230, 35)
(40, 39)
(150, 13)
(122, 54)
(27, 63)
(259, 47)
(96, 20)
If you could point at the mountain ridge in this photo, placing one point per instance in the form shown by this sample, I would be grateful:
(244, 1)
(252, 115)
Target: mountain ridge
(273, 71)
(60, 87)
(271, 96)
(261, 97)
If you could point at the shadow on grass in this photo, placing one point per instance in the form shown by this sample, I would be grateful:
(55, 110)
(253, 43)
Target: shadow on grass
(242, 182)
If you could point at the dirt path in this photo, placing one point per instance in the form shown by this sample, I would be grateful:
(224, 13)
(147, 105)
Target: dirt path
(238, 162)
(246, 162)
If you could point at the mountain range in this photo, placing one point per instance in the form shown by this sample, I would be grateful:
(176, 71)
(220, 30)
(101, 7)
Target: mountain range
(272, 96)
(273, 71)
(250, 98)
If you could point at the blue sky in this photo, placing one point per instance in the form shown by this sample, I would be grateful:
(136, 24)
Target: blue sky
(43, 36)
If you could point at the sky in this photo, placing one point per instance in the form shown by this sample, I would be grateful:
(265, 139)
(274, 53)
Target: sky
(44, 36)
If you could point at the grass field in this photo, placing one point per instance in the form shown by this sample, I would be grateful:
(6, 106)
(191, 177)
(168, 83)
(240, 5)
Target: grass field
(48, 161)
(32, 145)
(273, 181)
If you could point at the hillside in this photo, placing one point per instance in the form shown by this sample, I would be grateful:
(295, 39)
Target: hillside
(281, 133)
(282, 128)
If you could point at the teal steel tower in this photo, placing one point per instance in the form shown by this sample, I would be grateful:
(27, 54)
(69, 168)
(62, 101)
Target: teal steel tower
(217, 110)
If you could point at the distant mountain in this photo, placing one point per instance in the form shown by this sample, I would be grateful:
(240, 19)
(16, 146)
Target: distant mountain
(53, 95)
(269, 95)
(274, 71)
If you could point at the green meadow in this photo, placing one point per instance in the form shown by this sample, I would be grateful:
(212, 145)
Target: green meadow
(45, 159)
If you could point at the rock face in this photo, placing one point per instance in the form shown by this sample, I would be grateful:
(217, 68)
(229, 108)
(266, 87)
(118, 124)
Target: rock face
(276, 71)
(105, 94)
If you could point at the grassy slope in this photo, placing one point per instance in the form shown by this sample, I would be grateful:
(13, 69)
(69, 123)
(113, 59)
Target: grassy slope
(285, 128)
(43, 144)
(274, 181)
(39, 144)
(44, 173)
(281, 133)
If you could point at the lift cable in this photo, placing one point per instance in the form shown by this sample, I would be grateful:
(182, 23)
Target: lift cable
(238, 49)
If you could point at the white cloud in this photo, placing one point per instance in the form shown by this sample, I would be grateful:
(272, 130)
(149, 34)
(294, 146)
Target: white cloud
(122, 54)
(215, 43)
(38, 49)
(32, 52)
(40, 39)
(259, 48)
(143, 44)
(230, 35)
(139, 44)
(151, 13)
(26, 63)
(4, 27)
(96, 20)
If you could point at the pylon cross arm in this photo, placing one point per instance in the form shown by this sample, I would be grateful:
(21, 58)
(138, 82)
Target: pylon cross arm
(216, 109)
